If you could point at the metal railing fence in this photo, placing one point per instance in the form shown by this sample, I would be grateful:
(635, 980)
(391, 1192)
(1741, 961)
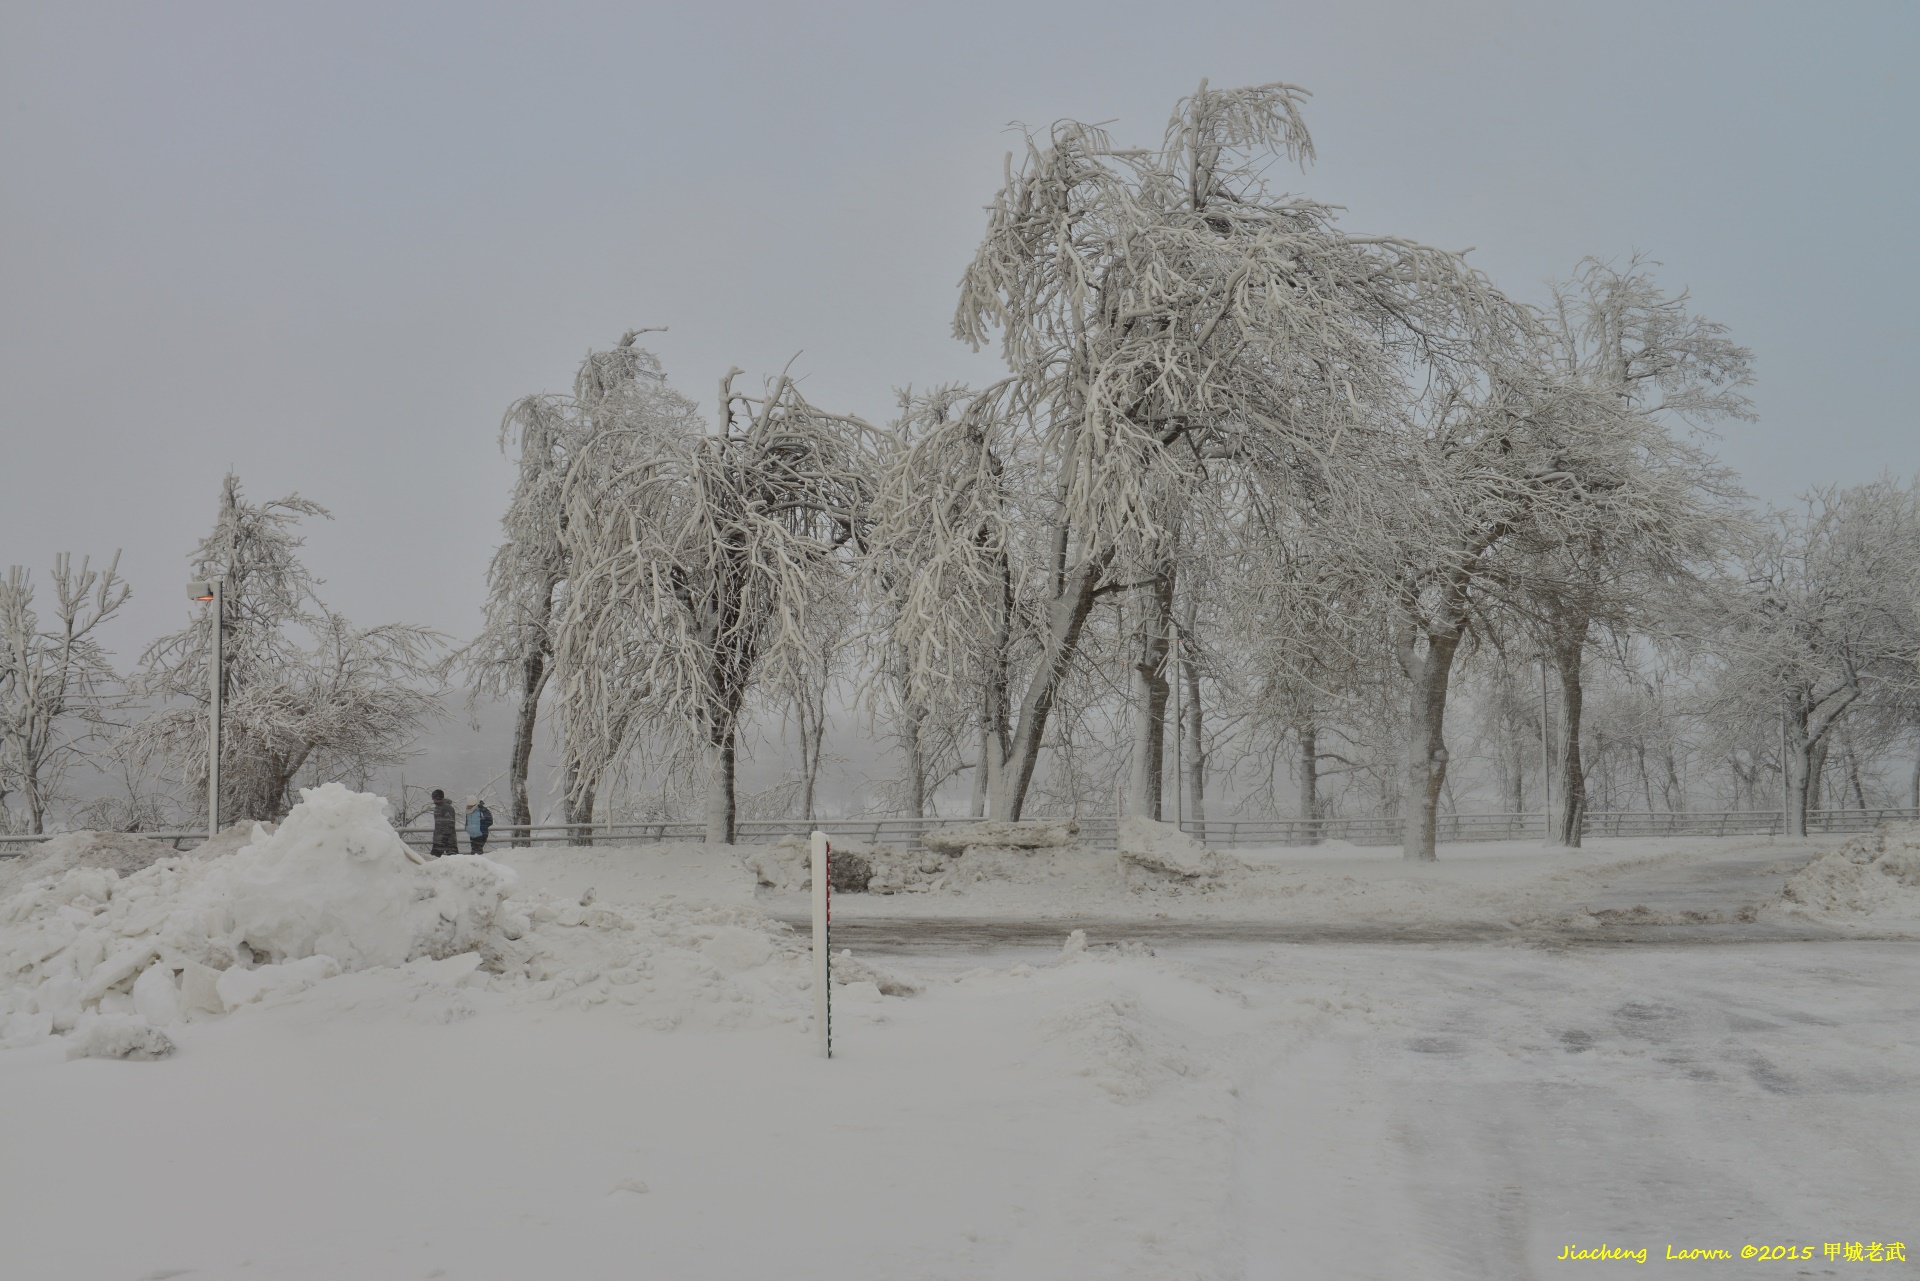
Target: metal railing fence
(1101, 830)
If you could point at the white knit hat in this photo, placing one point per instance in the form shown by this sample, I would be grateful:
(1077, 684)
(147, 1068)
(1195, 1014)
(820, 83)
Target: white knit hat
(472, 801)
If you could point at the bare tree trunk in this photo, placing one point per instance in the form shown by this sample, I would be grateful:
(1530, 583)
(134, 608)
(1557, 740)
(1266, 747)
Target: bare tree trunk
(36, 801)
(1429, 673)
(813, 734)
(1066, 618)
(533, 684)
(1150, 689)
(720, 788)
(1810, 717)
(1570, 808)
(983, 772)
(1513, 721)
(576, 808)
(1853, 776)
(995, 734)
(1817, 774)
(1308, 767)
(1194, 758)
(916, 763)
(1797, 756)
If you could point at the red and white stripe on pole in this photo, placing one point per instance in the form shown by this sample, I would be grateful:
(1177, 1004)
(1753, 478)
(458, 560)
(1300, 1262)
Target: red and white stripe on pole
(823, 943)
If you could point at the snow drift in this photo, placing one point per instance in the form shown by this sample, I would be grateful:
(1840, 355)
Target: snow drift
(1877, 874)
(1163, 848)
(110, 959)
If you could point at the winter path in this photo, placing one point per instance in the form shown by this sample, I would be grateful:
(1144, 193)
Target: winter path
(1618, 894)
(1519, 1101)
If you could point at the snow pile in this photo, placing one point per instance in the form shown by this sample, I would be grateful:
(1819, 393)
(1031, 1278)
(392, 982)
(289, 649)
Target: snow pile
(120, 851)
(785, 865)
(1042, 834)
(119, 1036)
(1165, 849)
(858, 868)
(108, 959)
(1877, 874)
(123, 853)
(336, 880)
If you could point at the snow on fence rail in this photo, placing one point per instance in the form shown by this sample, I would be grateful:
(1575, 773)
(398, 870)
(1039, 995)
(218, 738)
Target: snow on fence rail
(1100, 829)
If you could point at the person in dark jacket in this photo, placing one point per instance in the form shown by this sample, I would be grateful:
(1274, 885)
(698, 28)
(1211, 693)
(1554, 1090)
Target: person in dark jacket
(443, 839)
(479, 823)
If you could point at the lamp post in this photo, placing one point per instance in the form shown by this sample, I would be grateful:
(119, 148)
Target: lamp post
(209, 590)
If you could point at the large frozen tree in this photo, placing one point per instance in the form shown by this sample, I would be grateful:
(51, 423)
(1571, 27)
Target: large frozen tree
(693, 573)
(954, 573)
(55, 677)
(1825, 621)
(301, 686)
(621, 409)
(1162, 310)
(1659, 369)
(1441, 513)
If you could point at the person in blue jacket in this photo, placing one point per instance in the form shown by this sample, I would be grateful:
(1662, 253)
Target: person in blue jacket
(479, 823)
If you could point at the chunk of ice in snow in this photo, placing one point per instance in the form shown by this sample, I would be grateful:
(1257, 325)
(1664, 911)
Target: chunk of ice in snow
(155, 998)
(26, 1028)
(118, 1036)
(200, 990)
(239, 987)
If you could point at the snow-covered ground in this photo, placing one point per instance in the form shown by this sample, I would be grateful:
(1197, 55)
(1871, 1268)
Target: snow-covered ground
(627, 1088)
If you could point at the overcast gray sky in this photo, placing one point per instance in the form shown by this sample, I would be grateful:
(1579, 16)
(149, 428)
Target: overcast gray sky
(326, 244)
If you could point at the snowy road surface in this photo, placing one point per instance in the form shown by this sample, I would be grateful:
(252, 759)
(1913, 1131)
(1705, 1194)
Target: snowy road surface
(909, 935)
(1524, 1101)
(1655, 901)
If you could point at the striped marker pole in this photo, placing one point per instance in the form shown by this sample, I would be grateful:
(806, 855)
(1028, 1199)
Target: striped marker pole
(823, 943)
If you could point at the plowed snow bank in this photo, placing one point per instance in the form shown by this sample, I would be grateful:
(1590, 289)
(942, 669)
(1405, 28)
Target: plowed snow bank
(334, 891)
(1875, 875)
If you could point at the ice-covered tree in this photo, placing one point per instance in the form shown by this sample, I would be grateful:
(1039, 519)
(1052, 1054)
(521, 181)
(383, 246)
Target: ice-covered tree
(1163, 312)
(955, 561)
(1659, 369)
(1827, 619)
(620, 410)
(692, 575)
(56, 680)
(1309, 636)
(1439, 515)
(302, 687)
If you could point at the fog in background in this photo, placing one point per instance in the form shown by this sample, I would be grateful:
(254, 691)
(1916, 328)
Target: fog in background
(326, 246)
